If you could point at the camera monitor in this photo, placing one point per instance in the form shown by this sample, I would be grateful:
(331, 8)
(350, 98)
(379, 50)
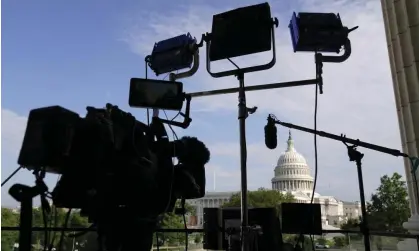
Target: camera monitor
(301, 218)
(159, 94)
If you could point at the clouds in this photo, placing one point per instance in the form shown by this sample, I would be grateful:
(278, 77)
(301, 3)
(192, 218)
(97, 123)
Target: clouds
(358, 95)
(13, 129)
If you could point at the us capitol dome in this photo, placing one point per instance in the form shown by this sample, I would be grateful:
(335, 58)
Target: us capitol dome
(292, 172)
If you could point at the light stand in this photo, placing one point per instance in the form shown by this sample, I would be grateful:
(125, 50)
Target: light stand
(25, 194)
(222, 45)
(354, 155)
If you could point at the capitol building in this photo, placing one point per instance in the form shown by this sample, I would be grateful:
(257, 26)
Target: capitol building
(291, 175)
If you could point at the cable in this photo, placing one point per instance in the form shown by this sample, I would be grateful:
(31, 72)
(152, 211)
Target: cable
(146, 77)
(183, 204)
(173, 167)
(170, 126)
(10, 176)
(315, 155)
(301, 237)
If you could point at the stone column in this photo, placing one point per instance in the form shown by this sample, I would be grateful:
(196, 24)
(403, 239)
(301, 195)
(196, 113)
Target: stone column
(401, 20)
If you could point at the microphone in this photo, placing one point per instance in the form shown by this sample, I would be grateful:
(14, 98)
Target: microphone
(270, 134)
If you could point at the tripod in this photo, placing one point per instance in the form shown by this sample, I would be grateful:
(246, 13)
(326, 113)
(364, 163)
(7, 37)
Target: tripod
(25, 194)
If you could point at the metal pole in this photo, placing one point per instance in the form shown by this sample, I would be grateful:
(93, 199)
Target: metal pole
(25, 231)
(254, 88)
(243, 113)
(364, 224)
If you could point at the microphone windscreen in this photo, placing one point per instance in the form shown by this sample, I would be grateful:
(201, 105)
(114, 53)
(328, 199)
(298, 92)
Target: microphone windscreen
(270, 136)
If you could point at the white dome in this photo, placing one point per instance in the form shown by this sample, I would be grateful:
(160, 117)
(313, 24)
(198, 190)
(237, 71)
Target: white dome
(292, 172)
(291, 156)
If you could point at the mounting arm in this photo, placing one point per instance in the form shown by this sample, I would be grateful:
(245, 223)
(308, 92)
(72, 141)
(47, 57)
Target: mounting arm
(340, 138)
(187, 120)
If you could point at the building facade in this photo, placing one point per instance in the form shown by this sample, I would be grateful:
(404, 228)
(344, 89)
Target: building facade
(401, 22)
(211, 200)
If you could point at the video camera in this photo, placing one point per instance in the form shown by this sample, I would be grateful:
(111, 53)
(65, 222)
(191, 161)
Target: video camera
(110, 164)
(109, 160)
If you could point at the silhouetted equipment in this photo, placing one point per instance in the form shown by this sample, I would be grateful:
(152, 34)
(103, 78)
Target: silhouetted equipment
(301, 218)
(150, 93)
(172, 54)
(213, 232)
(222, 229)
(235, 33)
(270, 134)
(354, 155)
(108, 147)
(110, 164)
(240, 32)
(342, 138)
(318, 32)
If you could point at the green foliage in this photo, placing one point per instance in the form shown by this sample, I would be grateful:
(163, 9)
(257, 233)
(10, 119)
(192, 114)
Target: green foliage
(261, 198)
(56, 218)
(84, 242)
(293, 239)
(384, 242)
(353, 225)
(8, 238)
(340, 241)
(321, 241)
(173, 221)
(198, 238)
(389, 206)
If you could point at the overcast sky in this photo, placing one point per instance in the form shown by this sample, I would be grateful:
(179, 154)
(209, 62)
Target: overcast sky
(83, 53)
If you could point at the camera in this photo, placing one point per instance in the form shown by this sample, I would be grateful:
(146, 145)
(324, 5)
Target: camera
(109, 160)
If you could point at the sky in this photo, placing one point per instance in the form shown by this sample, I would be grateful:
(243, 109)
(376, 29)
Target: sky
(83, 53)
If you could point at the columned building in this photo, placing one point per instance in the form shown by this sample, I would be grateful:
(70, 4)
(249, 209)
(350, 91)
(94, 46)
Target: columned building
(401, 21)
(211, 200)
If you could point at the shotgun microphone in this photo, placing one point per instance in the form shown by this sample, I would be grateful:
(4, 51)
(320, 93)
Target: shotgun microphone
(270, 134)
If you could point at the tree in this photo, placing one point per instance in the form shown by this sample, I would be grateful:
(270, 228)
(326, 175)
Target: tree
(198, 238)
(340, 241)
(322, 240)
(389, 206)
(174, 221)
(8, 238)
(353, 225)
(261, 198)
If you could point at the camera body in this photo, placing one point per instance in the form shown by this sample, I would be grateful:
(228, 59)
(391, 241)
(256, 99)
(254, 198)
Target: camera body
(109, 160)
